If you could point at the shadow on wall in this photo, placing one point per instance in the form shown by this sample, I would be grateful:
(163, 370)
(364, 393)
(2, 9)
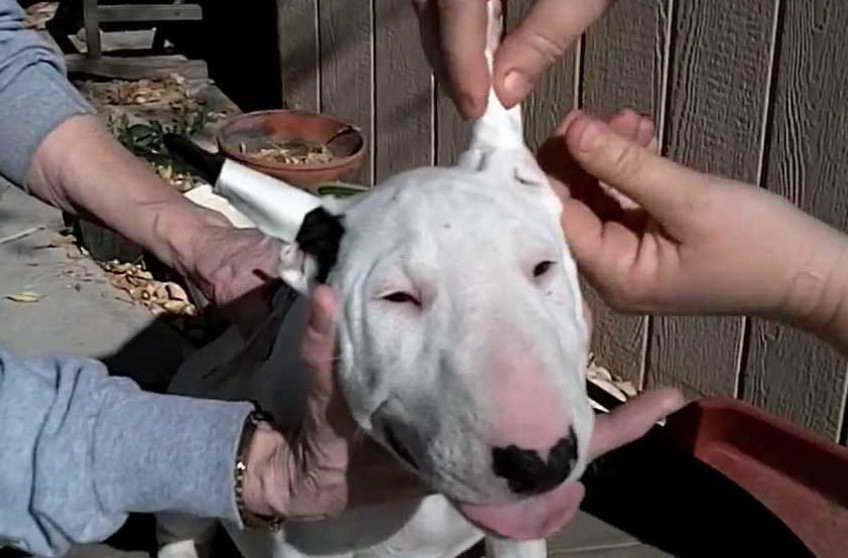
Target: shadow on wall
(239, 43)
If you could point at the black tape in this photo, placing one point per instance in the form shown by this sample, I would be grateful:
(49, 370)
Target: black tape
(207, 165)
(319, 236)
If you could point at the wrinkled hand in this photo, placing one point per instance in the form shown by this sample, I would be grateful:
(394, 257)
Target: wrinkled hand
(453, 34)
(326, 466)
(236, 269)
(694, 243)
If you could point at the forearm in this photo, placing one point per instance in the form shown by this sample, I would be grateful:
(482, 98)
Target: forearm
(828, 318)
(82, 169)
(817, 299)
(52, 142)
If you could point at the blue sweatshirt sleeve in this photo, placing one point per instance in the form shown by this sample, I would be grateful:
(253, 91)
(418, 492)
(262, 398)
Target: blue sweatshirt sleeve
(80, 449)
(35, 95)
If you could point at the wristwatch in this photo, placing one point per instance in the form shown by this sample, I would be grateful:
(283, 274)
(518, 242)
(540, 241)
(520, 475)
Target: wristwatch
(250, 519)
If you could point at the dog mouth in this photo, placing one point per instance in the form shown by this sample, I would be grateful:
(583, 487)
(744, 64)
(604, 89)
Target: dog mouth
(396, 445)
(532, 518)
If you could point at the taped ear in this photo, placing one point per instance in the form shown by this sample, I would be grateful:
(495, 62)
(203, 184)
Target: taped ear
(315, 251)
(498, 128)
(310, 233)
(274, 206)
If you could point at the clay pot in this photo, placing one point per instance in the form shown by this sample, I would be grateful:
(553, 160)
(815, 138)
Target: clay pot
(246, 133)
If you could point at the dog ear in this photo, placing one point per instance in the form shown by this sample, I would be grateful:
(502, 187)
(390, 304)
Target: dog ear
(312, 256)
(311, 234)
(274, 206)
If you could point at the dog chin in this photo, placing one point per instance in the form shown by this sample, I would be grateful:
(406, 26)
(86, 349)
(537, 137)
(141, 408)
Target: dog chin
(531, 518)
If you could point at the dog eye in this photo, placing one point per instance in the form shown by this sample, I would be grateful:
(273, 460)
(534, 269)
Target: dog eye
(542, 268)
(402, 298)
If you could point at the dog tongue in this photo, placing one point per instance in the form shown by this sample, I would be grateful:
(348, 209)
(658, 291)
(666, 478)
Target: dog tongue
(533, 518)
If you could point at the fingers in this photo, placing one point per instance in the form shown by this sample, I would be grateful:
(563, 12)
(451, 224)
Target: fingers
(668, 191)
(586, 215)
(453, 33)
(541, 38)
(639, 129)
(463, 40)
(328, 421)
(632, 420)
(319, 339)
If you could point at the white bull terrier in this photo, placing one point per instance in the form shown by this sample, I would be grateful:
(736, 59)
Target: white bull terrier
(463, 347)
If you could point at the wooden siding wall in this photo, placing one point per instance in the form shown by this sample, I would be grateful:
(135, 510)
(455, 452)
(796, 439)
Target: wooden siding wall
(754, 90)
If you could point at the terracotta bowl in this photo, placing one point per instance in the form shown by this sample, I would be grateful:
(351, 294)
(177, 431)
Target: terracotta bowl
(247, 133)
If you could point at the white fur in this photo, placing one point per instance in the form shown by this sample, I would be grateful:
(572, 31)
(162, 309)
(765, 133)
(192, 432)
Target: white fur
(467, 370)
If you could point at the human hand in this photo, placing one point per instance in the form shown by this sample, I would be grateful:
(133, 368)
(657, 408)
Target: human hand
(698, 244)
(237, 270)
(453, 34)
(325, 466)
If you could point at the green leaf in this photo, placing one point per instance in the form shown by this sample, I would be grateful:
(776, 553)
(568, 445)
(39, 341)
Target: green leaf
(339, 189)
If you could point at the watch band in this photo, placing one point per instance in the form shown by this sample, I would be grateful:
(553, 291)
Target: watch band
(250, 519)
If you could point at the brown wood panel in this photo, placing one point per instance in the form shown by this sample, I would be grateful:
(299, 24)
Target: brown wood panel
(718, 83)
(297, 26)
(346, 75)
(152, 12)
(789, 372)
(403, 96)
(624, 61)
(452, 131)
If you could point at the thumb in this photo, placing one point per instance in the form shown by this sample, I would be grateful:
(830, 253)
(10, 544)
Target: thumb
(632, 420)
(543, 36)
(666, 190)
(327, 416)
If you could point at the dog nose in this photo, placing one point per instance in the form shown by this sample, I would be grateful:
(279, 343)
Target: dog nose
(526, 472)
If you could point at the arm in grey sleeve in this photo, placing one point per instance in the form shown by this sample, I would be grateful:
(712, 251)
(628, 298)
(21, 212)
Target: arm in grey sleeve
(80, 449)
(35, 95)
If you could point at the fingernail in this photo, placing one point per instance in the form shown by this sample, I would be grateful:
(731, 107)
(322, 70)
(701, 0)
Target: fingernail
(516, 85)
(591, 135)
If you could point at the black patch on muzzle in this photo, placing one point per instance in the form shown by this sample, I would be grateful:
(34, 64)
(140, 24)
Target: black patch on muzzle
(319, 236)
(526, 473)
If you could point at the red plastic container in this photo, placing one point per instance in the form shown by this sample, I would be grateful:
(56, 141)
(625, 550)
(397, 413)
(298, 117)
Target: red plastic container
(800, 477)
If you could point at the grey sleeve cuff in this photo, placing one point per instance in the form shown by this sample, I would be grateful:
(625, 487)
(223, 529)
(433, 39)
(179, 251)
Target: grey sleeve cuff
(167, 453)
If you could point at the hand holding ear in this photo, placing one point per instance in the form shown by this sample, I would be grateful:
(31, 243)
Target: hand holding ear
(691, 243)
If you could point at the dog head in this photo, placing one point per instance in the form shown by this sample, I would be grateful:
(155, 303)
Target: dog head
(463, 342)
(462, 335)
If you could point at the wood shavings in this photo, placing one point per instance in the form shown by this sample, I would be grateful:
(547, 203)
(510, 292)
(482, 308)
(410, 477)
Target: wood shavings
(25, 297)
(160, 297)
(294, 152)
(622, 390)
(173, 89)
(215, 116)
(182, 181)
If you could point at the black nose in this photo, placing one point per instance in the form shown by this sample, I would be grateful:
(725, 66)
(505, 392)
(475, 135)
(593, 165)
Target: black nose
(525, 471)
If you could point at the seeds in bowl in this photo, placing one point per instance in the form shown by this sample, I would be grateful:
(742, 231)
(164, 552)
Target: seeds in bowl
(291, 152)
